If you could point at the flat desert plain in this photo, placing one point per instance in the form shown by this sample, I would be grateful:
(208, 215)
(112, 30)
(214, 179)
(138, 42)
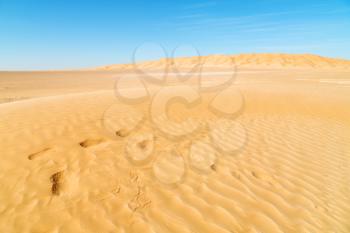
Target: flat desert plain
(249, 143)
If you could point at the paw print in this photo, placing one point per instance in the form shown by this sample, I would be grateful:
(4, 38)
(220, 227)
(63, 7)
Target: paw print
(177, 114)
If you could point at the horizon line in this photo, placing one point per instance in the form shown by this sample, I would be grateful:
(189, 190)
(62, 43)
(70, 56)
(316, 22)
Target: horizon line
(92, 68)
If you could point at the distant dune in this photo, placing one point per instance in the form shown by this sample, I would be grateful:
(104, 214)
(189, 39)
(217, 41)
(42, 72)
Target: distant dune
(242, 60)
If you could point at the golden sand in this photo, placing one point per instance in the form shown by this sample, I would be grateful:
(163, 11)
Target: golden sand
(75, 158)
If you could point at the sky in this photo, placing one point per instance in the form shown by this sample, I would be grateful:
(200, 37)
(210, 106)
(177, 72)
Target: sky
(69, 34)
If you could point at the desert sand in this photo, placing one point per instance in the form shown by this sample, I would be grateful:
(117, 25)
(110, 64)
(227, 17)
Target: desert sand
(264, 146)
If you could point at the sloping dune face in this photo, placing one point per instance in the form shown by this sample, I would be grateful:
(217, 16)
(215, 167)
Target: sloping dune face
(268, 153)
(244, 60)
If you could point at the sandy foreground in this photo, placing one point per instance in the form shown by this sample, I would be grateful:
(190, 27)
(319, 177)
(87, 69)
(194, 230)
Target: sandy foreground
(267, 152)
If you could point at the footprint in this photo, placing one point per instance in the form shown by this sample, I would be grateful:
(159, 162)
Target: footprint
(91, 142)
(139, 148)
(120, 120)
(56, 180)
(236, 174)
(122, 133)
(38, 154)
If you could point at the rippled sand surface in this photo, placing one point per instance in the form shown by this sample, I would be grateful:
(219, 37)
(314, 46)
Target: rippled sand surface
(75, 158)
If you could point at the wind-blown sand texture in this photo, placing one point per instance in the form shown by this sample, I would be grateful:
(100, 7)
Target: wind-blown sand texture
(75, 158)
(245, 60)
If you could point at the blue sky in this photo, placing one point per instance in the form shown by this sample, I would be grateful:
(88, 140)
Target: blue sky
(44, 34)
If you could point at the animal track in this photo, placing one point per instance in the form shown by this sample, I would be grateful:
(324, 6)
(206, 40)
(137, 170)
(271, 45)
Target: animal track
(38, 154)
(139, 201)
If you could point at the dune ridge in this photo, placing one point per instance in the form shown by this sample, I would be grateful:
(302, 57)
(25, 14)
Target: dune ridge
(241, 60)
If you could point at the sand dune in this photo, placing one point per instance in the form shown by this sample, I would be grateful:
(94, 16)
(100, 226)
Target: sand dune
(75, 158)
(242, 60)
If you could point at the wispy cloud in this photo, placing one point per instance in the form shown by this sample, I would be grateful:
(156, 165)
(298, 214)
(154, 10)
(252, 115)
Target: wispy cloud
(250, 23)
(201, 5)
(289, 47)
(198, 22)
(270, 29)
(191, 16)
